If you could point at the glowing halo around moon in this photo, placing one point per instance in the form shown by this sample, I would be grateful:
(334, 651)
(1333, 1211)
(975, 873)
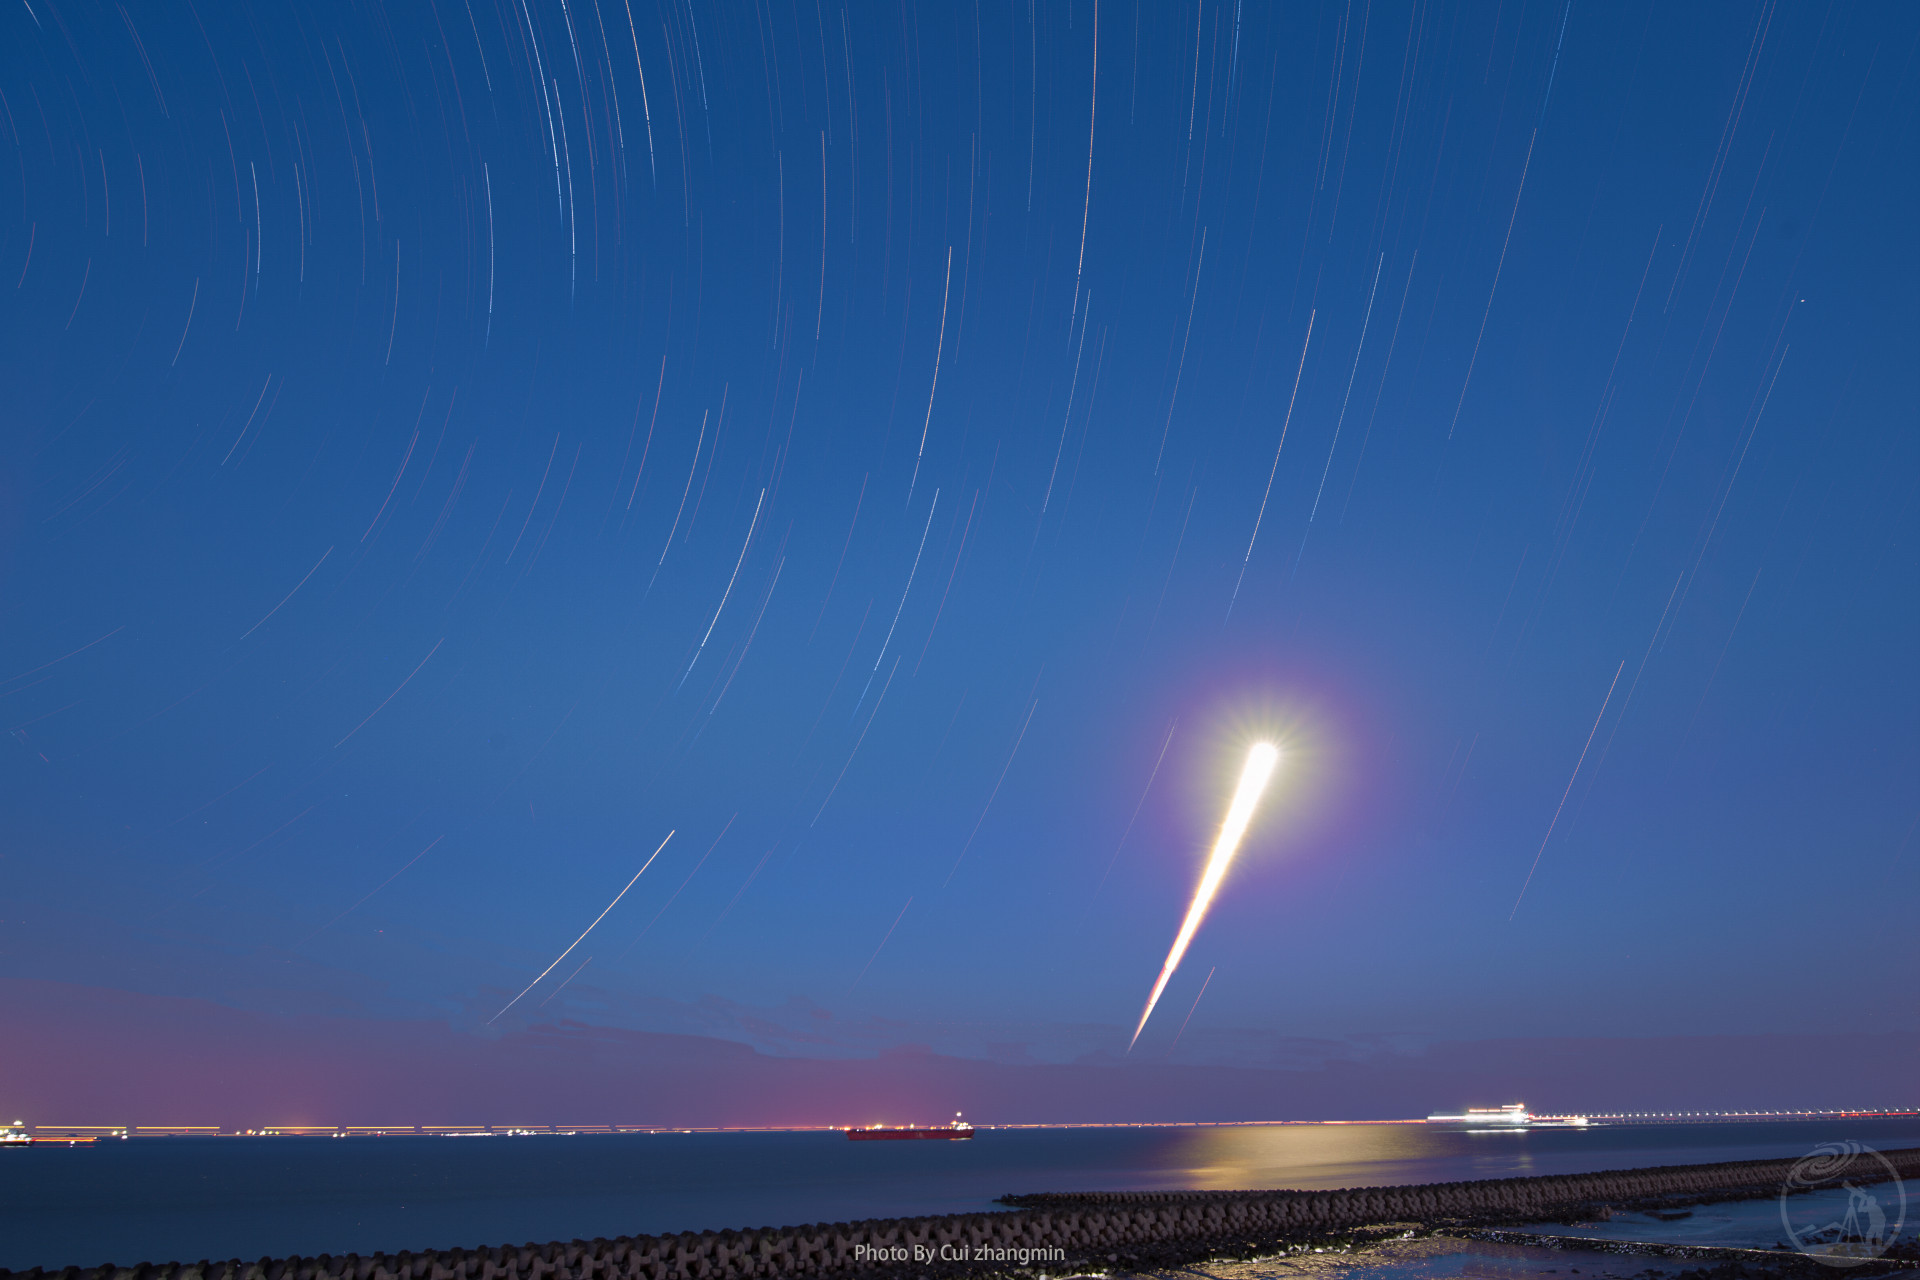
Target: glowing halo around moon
(1262, 759)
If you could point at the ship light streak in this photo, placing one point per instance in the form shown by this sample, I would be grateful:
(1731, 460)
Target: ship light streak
(1261, 762)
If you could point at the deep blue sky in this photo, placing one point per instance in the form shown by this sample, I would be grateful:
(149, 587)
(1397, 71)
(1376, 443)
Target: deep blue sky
(435, 464)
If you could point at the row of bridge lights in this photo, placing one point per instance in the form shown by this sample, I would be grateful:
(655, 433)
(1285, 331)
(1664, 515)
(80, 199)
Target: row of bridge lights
(1682, 1115)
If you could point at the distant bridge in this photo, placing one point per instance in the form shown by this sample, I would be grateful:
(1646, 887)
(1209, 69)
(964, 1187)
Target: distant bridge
(1739, 1117)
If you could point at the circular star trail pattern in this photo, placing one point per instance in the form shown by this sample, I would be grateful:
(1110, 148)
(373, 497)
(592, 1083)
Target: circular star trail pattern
(909, 452)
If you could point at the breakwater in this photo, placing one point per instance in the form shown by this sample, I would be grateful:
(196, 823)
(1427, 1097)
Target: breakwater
(1055, 1232)
(1493, 1197)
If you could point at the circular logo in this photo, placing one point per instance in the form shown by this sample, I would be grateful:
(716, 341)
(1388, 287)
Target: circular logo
(1843, 1204)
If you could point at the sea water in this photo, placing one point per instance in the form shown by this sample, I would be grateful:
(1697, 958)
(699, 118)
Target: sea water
(183, 1199)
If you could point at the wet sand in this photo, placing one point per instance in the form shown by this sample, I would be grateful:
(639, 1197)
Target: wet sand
(1436, 1258)
(1527, 1255)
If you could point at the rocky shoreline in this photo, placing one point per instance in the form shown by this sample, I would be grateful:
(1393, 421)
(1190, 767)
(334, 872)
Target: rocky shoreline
(1060, 1234)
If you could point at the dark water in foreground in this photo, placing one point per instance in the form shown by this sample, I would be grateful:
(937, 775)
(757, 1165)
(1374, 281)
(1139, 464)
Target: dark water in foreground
(159, 1199)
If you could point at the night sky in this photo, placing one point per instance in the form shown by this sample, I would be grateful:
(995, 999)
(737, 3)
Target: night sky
(910, 452)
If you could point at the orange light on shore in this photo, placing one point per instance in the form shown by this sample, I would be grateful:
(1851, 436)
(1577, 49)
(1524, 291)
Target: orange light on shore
(1261, 762)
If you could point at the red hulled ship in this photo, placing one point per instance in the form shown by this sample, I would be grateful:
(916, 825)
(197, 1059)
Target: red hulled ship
(903, 1133)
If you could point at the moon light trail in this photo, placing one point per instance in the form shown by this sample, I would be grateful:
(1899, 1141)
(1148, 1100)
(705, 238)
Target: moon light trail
(1261, 762)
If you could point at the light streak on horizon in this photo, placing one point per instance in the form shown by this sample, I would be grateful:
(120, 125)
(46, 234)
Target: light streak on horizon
(1261, 762)
(584, 932)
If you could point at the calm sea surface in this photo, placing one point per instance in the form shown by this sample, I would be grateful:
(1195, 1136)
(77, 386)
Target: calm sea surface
(160, 1199)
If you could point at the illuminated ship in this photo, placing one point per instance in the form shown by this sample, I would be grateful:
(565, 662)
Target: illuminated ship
(1510, 1117)
(881, 1133)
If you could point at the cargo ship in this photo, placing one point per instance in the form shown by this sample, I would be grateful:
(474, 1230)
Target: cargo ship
(905, 1133)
